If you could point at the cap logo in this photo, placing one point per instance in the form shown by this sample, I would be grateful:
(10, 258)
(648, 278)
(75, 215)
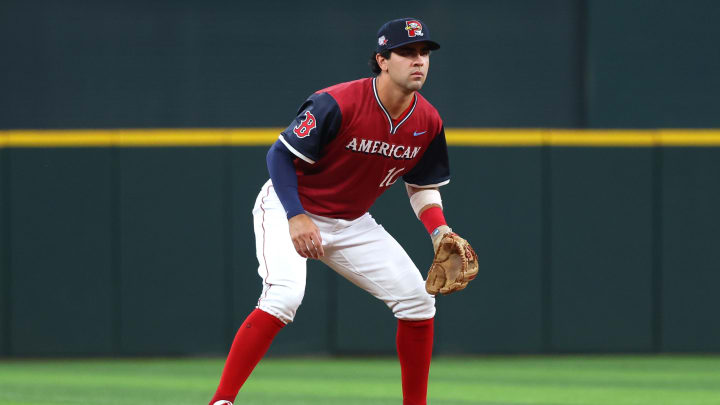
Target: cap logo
(413, 28)
(382, 40)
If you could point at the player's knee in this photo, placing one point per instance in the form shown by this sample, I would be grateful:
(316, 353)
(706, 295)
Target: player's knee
(282, 301)
(293, 301)
(416, 308)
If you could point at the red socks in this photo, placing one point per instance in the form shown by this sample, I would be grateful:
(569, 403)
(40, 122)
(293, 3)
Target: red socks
(414, 346)
(251, 342)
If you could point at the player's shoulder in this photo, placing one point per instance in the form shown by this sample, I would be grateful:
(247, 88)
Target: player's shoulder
(349, 96)
(349, 92)
(425, 106)
(427, 110)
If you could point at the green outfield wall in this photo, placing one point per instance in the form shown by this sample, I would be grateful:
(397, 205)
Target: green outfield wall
(132, 145)
(222, 63)
(149, 250)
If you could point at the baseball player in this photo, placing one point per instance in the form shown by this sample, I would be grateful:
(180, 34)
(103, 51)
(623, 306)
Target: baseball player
(346, 146)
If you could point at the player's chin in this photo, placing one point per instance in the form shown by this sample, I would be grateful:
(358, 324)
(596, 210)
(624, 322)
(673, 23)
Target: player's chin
(415, 84)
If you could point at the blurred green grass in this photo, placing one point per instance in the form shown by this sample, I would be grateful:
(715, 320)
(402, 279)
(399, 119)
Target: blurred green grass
(493, 380)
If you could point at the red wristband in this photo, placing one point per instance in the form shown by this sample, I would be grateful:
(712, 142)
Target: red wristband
(432, 218)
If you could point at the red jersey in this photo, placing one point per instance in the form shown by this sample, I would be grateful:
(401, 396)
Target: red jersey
(349, 150)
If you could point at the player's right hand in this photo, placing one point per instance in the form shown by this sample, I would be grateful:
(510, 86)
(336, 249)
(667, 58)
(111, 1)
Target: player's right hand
(306, 237)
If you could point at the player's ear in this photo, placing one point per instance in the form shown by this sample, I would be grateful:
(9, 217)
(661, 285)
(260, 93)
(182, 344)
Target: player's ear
(381, 61)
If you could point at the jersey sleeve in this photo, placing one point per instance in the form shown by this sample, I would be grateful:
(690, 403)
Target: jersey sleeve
(433, 169)
(316, 124)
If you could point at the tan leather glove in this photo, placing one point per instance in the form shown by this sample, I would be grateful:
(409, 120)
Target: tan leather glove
(455, 264)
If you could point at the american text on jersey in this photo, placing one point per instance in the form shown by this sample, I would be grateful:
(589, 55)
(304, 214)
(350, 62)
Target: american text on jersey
(369, 146)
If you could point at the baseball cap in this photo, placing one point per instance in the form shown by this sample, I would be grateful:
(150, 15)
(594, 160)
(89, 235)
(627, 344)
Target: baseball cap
(401, 32)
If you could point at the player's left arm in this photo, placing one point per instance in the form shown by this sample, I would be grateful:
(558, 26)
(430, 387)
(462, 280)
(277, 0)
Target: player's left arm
(422, 183)
(455, 263)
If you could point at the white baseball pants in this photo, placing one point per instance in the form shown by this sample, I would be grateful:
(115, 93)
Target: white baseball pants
(359, 250)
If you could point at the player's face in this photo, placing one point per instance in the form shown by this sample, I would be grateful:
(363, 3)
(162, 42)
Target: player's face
(408, 66)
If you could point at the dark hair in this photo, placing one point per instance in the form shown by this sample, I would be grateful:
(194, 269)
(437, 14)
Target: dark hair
(374, 67)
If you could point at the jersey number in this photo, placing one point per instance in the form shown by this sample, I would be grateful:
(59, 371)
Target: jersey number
(391, 177)
(305, 126)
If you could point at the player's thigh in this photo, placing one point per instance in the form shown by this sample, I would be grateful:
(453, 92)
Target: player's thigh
(282, 270)
(372, 259)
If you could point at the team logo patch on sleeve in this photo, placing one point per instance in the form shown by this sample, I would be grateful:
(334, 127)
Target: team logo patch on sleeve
(414, 28)
(306, 125)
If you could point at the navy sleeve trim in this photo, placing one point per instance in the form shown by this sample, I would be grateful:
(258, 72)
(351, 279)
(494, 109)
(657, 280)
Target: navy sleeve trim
(433, 169)
(282, 172)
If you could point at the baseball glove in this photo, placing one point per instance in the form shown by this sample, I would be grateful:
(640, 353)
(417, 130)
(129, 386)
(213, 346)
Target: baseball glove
(454, 266)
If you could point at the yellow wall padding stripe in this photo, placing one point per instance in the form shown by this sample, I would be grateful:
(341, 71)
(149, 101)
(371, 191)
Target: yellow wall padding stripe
(266, 136)
(137, 137)
(583, 137)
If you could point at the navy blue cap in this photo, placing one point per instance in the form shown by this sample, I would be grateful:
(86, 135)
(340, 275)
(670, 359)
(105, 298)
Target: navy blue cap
(401, 32)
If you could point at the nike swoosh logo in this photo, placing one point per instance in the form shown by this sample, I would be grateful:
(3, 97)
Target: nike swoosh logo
(415, 133)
